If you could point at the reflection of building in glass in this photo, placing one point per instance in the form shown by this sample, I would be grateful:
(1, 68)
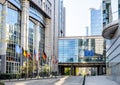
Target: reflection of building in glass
(111, 32)
(81, 55)
(32, 25)
(79, 49)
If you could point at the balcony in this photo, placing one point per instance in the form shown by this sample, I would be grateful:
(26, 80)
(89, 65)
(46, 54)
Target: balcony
(110, 29)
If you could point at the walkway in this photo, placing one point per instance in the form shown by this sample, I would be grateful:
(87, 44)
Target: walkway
(99, 80)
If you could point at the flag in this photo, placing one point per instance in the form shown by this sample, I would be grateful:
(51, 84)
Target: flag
(91, 53)
(86, 53)
(56, 61)
(24, 53)
(17, 49)
(39, 56)
(34, 53)
(28, 55)
(44, 55)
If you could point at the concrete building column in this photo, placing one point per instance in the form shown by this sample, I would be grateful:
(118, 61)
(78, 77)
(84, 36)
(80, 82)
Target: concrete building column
(100, 70)
(97, 70)
(25, 26)
(37, 38)
(48, 46)
(74, 70)
(4, 39)
(62, 70)
(48, 37)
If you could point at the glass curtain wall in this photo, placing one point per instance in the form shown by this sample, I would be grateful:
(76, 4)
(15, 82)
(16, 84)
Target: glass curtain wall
(42, 43)
(80, 50)
(30, 36)
(68, 50)
(13, 23)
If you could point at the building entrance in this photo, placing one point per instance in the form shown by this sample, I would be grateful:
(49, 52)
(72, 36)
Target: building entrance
(82, 68)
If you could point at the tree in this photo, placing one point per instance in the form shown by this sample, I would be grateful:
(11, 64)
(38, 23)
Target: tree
(32, 66)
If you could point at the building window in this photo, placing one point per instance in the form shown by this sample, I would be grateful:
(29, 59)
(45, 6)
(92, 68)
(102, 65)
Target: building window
(13, 22)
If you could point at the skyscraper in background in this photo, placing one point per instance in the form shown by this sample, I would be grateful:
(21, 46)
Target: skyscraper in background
(61, 19)
(95, 21)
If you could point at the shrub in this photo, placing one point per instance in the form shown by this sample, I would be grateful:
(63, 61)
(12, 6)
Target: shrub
(2, 83)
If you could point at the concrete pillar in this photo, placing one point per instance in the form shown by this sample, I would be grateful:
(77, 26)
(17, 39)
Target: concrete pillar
(74, 70)
(25, 26)
(62, 70)
(101, 70)
(37, 38)
(98, 71)
(4, 39)
(59, 70)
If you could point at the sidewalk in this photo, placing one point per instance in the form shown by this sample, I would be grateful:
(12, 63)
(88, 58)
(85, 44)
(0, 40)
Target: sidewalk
(99, 80)
(27, 79)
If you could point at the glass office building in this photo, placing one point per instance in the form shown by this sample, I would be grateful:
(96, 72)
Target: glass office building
(80, 49)
(111, 32)
(23, 24)
(95, 21)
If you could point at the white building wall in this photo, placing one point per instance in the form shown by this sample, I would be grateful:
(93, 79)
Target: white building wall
(113, 56)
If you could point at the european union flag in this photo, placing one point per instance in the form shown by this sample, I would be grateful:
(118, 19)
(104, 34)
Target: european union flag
(91, 53)
(86, 53)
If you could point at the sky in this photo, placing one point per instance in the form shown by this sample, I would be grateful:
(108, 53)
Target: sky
(77, 15)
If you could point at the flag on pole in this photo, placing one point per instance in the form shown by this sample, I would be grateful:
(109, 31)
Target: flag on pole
(24, 53)
(28, 54)
(39, 56)
(34, 54)
(56, 61)
(44, 55)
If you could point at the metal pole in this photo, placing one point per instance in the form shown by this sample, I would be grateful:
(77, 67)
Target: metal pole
(33, 52)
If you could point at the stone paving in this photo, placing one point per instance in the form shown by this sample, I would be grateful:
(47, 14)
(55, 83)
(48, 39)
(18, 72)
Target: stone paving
(99, 80)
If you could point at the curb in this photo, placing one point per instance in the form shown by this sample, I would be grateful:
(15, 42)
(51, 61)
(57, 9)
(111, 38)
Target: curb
(27, 79)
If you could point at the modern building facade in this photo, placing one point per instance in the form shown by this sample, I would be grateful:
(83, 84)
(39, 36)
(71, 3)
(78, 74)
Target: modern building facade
(111, 32)
(95, 21)
(61, 20)
(81, 51)
(31, 25)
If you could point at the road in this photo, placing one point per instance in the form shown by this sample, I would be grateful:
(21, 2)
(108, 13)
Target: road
(68, 80)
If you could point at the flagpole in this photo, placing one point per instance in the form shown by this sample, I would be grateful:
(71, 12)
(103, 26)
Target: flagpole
(38, 66)
(27, 43)
(21, 61)
(33, 53)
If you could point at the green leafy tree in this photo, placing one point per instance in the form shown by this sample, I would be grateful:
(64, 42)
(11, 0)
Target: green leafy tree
(31, 66)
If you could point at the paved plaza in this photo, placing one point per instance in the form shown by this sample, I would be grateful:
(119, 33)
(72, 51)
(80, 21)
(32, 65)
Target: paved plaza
(66, 80)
